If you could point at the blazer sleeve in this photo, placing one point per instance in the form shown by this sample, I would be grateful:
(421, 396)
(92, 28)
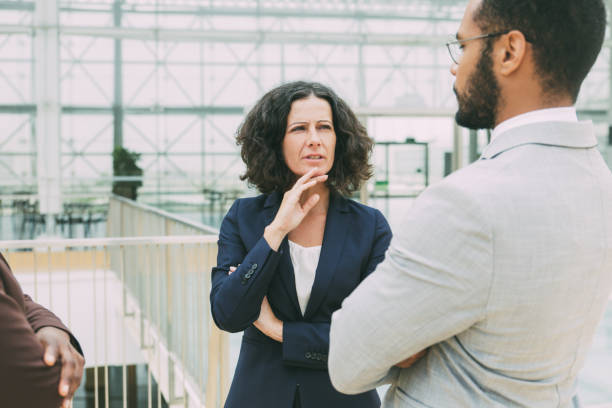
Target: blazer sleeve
(39, 317)
(433, 284)
(306, 344)
(25, 381)
(235, 299)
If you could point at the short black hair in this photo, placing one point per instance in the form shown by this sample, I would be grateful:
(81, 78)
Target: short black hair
(566, 36)
(262, 132)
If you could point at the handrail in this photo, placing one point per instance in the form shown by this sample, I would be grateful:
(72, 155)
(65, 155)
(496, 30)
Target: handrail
(144, 208)
(99, 242)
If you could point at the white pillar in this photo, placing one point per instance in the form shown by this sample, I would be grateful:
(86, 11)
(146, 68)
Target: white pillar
(457, 147)
(47, 96)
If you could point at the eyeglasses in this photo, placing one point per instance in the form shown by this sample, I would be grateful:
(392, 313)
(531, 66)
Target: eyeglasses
(455, 48)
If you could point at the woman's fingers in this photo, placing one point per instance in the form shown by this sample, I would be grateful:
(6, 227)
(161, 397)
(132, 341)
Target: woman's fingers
(312, 201)
(309, 176)
(292, 211)
(305, 177)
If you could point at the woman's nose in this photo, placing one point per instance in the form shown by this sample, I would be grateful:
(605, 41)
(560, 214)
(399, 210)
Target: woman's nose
(313, 137)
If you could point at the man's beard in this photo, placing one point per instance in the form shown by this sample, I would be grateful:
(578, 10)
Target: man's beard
(478, 104)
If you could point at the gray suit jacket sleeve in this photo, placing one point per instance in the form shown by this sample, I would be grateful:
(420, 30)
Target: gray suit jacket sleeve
(433, 284)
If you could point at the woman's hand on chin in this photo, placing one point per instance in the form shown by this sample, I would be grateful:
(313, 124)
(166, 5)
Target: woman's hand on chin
(292, 211)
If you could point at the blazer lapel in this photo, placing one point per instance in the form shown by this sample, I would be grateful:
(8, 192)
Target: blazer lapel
(287, 275)
(285, 267)
(336, 227)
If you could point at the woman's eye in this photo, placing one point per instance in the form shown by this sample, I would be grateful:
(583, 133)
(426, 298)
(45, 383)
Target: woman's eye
(297, 129)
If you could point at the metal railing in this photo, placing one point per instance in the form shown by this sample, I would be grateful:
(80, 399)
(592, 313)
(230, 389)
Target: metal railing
(127, 218)
(151, 291)
(140, 295)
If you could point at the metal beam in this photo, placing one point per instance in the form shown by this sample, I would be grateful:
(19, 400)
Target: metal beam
(156, 110)
(134, 110)
(9, 29)
(236, 36)
(597, 115)
(277, 13)
(404, 112)
(20, 6)
(18, 109)
(118, 81)
(242, 36)
(254, 36)
(48, 134)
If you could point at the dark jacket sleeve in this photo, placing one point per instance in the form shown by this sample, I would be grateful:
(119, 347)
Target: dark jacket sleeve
(306, 344)
(39, 317)
(235, 300)
(25, 381)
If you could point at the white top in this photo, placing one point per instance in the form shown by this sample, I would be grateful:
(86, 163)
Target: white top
(305, 261)
(567, 114)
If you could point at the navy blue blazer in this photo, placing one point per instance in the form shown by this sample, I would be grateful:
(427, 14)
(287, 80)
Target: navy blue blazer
(269, 374)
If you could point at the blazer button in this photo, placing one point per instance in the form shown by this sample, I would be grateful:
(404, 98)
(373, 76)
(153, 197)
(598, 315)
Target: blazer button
(308, 355)
(254, 266)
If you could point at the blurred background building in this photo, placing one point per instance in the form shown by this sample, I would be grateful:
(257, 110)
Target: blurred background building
(161, 86)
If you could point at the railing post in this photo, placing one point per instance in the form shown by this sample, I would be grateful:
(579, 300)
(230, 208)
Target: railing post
(214, 348)
(224, 371)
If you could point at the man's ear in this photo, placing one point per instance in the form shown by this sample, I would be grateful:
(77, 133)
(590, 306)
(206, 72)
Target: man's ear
(511, 51)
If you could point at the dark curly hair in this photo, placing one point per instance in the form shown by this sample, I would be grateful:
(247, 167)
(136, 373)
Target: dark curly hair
(263, 130)
(566, 36)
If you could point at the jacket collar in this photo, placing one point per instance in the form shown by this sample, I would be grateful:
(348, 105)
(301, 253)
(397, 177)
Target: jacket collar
(273, 199)
(579, 135)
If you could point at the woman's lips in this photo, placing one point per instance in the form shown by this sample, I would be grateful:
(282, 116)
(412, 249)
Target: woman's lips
(314, 157)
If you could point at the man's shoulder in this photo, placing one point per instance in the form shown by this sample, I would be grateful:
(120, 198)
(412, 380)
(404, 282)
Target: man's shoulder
(476, 179)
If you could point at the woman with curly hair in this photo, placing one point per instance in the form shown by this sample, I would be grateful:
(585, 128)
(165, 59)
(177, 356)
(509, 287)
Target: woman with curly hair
(288, 257)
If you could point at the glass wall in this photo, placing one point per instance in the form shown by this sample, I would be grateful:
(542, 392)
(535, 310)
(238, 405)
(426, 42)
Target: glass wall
(172, 80)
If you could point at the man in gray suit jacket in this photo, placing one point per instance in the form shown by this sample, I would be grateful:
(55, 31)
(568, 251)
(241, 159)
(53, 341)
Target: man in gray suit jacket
(503, 270)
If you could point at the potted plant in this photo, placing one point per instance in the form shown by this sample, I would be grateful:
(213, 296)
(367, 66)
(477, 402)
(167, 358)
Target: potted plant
(124, 164)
